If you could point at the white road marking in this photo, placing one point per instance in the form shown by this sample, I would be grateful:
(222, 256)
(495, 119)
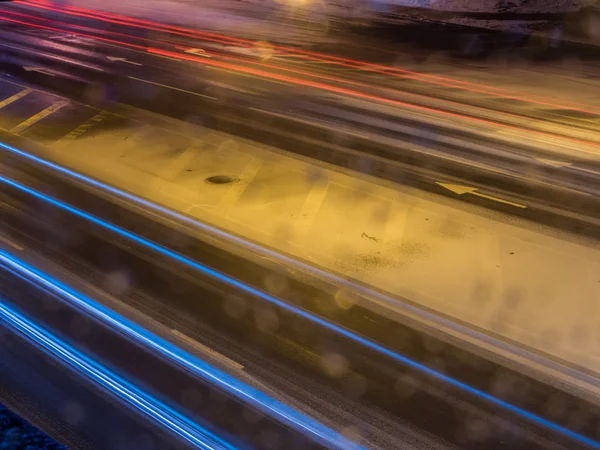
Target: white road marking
(582, 169)
(40, 70)
(554, 163)
(171, 87)
(124, 60)
(199, 52)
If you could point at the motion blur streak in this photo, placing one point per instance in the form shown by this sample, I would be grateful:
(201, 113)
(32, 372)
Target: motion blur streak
(261, 401)
(109, 382)
(232, 58)
(80, 27)
(338, 281)
(229, 58)
(220, 39)
(353, 93)
(43, 27)
(319, 321)
(377, 68)
(308, 83)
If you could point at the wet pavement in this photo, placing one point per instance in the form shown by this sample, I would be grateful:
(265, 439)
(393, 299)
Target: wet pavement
(509, 277)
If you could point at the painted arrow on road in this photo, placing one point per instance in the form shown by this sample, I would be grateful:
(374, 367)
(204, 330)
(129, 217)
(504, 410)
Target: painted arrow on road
(561, 164)
(462, 190)
(198, 52)
(125, 60)
(40, 70)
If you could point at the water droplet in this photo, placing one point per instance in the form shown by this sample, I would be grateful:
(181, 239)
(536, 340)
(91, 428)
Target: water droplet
(266, 319)
(335, 365)
(73, 413)
(235, 307)
(117, 282)
(345, 299)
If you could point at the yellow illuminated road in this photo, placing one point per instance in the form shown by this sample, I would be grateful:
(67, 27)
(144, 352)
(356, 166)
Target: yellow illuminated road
(484, 268)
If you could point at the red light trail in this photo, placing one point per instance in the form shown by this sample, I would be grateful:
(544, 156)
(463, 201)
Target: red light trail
(377, 68)
(307, 83)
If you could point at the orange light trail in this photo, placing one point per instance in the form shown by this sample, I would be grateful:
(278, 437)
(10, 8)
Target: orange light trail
(307, 83)
(386, 70)
(261, 64)
(80, 27)
(350, 92)
(44, 27)
(230, 58)
(130, 22)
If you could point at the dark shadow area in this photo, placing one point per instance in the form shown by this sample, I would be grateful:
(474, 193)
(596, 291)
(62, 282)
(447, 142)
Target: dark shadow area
(550, 37)
(15, 433)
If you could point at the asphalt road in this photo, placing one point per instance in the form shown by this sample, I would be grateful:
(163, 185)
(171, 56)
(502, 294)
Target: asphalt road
(278, 328)
(529, 157)
(61, 403)
(247, 354)
(494, 153)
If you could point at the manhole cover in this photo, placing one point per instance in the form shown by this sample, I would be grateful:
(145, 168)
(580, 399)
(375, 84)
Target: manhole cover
(221, 179)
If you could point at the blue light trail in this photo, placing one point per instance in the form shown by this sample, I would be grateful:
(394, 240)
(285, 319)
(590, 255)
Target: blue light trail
(336, 280)
(273, 300)
(164, 416)
(261, 401)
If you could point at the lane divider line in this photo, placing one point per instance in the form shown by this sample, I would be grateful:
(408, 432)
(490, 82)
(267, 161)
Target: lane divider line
(364, 65)
(247, 394)
(346, 333)
(110, 382)
(373, 295)
(298, 81)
